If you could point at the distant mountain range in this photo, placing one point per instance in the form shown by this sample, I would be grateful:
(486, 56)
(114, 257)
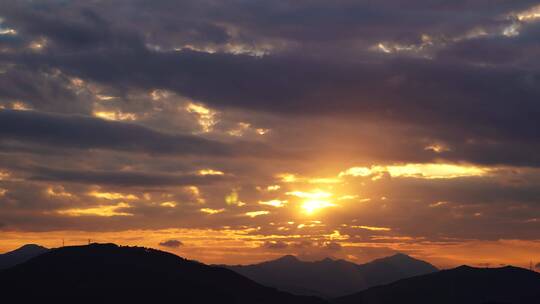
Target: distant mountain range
(20, 255)
(330, 278)
(107, 273)
(463, 285)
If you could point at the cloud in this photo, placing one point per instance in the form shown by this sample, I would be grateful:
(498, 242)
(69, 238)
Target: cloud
(120, 178)
(275, 245)
(537, 266)
(171, 243)
(333, 246)
(81, 132)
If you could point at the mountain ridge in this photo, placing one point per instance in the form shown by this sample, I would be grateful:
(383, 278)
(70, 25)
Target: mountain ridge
(331, 277)
(20, 255)
(108, 273)
(464, 284)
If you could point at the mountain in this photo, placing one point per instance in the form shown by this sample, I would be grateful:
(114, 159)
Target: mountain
(107, 273)
(464, 285)
(332, 278)
(20, 255)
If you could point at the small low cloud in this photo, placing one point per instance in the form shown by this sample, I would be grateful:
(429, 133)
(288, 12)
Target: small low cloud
(171, 243)
(275, 245)
(333, 246)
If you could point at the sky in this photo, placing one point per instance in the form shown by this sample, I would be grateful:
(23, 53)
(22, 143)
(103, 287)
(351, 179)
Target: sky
(236, 131)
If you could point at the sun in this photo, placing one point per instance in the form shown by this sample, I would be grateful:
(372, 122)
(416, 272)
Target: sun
(311, 206)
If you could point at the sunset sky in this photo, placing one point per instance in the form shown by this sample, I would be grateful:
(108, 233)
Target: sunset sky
(237, 131)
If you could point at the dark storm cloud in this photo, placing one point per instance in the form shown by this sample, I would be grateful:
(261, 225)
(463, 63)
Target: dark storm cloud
(496, 101)
(42, 91)
(77, 26)
(171, 243)
(491, 102)
(82, 132)
(120, 178)
(80, 23)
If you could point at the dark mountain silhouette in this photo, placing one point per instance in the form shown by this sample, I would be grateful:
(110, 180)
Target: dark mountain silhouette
(463, 285)
(20, 255)
(332, 278)
(107, 273)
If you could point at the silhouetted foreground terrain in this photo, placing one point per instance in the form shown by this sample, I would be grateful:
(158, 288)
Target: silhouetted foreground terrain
(332, 278)
(20, 255)
(106, 273)
(462, 285)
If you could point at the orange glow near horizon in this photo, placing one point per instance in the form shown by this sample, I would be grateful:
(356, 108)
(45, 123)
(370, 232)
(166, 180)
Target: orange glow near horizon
(229, 246)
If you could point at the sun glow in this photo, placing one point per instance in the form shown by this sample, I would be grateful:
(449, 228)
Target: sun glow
(311, 206)
(314, 200)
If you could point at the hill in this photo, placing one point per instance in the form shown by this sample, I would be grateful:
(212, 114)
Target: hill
(107, 273)
(332, 278)
(20, 255)
(464, 285)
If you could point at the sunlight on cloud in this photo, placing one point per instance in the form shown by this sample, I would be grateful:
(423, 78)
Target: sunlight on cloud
(262, 131)
(316, 194)
(211, 211)
(115, 115)
(314, 200)
(4, 175)
(356, 171)
(194, 190)
(233, 199)
(7, 31)
(274, 203)
(20, 106)
(38, 45)
(273, 188)
(205, 117)
(437, 204)
(102, 210)
(159, 94)
(392, 47)
(169, 204)
(240, 129)
(58, 191)
(112, 195)
(533, 14)
(372, 228)
(287, 177)
(511, 30)
(293, 178)
(347, 197)
(437, 148)
(256, 213)
(105, 97)
(310, 206)
(210, 172)
(324, 180)
(428, 171)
